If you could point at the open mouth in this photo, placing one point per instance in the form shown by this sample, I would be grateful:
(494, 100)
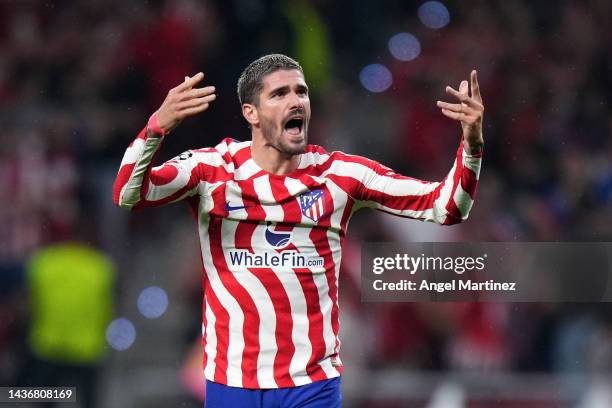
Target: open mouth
(294, 125)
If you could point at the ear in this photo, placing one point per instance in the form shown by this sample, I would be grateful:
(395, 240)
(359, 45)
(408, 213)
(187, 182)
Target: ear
(250, 113)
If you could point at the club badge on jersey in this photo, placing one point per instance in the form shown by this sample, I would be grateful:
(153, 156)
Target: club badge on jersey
(312, 204)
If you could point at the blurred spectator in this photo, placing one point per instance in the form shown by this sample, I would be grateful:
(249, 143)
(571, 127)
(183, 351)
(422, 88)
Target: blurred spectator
(71, 292)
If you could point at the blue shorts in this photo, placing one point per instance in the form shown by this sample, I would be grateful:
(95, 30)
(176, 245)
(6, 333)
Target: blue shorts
(319, 394)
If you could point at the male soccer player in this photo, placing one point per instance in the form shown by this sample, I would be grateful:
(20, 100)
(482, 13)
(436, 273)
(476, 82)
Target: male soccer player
(272, 213)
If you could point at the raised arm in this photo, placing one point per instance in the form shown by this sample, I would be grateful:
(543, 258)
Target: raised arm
(446, 202)
(138, 183)
(373, 185)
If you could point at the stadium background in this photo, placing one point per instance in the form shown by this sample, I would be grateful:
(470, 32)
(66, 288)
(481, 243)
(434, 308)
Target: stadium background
(78, 79)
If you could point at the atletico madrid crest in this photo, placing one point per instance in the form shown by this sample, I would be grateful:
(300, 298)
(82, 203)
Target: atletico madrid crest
(312, 204)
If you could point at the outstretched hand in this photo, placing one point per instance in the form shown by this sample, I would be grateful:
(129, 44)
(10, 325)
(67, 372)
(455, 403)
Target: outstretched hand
(469, 112)
(184, 101)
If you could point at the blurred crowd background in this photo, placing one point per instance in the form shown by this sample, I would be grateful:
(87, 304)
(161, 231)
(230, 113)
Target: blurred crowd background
(111, 300)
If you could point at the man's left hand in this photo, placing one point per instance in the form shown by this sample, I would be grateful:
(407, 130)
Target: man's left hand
(469, 112)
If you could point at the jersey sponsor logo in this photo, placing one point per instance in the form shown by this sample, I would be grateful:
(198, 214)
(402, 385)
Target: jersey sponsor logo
(268, 259)
(278, 239)
(313, 205)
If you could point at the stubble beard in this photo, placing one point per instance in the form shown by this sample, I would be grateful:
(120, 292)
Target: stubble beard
(274, 137)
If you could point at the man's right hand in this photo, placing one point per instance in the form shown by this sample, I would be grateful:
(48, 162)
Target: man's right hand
(184, 101)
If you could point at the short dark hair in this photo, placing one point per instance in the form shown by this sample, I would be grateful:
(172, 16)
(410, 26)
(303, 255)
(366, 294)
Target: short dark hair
(250, 83)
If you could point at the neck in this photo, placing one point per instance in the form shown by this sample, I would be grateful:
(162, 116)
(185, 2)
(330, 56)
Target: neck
(270, 158)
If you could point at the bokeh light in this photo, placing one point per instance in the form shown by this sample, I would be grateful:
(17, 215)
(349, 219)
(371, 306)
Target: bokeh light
(434, 14)
(404, 46)
(152, 302)
(375, 78)
(120, 334)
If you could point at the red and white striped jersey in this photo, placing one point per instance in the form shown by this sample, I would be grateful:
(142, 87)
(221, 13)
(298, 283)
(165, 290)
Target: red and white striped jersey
(271, 245)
